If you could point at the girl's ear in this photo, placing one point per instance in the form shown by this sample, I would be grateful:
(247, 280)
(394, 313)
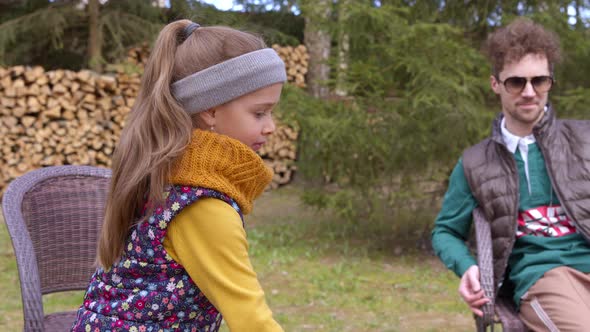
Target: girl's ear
(208, 117)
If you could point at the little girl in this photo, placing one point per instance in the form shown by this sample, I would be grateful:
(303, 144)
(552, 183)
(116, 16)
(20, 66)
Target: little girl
(173, 253)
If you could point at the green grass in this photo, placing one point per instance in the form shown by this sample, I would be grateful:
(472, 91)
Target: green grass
(318, 273)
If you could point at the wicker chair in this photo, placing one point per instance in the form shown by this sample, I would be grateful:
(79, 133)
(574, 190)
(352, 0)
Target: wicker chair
(503, 311)
(54, 216)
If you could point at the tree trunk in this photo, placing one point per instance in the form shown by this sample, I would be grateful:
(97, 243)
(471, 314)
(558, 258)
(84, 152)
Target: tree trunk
(317, 40)
(578, 8)
(343, 48)
(94, 54)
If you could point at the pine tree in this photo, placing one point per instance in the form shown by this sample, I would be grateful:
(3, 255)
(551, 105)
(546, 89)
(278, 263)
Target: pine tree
(66, 34)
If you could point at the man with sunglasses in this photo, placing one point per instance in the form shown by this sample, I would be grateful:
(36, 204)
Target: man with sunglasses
(531, 178)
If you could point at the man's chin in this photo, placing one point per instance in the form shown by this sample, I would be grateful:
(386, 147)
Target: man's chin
(530, 115)
(533, 111)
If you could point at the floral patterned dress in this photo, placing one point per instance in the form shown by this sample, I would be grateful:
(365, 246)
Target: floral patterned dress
(147, 290)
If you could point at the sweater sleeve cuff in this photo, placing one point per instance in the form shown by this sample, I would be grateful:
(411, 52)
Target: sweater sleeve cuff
(463, 265)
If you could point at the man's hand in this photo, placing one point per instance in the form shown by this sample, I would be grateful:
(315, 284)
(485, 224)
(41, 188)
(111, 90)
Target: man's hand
(471, 292)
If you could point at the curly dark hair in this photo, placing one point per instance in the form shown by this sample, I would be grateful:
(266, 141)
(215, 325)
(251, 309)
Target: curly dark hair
(521, 37)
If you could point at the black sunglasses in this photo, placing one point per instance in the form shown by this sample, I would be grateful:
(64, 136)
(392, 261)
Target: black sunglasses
(516, 84)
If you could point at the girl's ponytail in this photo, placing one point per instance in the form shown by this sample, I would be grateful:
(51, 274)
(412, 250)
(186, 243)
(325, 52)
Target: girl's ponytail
(156, 132)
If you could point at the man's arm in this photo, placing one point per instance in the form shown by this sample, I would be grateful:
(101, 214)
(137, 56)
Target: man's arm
(453, 223)
(451, 229)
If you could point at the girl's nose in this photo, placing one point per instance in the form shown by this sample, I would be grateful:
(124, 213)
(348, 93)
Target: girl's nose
(269, 127)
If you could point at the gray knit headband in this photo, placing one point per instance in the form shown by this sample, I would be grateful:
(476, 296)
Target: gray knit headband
(228, 80)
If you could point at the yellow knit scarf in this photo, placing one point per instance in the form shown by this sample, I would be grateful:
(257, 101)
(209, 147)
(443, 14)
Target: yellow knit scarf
(224, 164)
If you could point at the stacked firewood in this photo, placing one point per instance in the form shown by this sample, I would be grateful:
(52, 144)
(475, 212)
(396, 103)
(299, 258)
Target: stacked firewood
(64, 117)
(279, 153)
(295, 58)
(57, 117)
(139, 55)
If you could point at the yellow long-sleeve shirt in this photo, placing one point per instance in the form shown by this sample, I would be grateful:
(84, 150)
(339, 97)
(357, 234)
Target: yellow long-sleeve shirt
(208, 239)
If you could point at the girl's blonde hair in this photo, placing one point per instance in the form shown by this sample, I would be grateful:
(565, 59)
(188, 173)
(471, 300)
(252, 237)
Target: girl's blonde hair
(158, 129)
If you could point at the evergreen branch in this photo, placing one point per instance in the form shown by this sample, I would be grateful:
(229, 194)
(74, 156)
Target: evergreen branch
(48, 22)
(126, 29)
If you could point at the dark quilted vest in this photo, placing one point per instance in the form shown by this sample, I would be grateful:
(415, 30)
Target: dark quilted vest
(147, 290)
(492, 175)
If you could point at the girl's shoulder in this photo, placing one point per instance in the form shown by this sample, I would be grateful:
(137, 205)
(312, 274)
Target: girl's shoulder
(179, 197)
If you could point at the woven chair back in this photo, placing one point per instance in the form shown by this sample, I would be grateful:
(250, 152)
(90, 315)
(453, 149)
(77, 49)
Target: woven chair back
(63, 216)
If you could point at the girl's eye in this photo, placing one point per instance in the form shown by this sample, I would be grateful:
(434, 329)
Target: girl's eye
(260, 114)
